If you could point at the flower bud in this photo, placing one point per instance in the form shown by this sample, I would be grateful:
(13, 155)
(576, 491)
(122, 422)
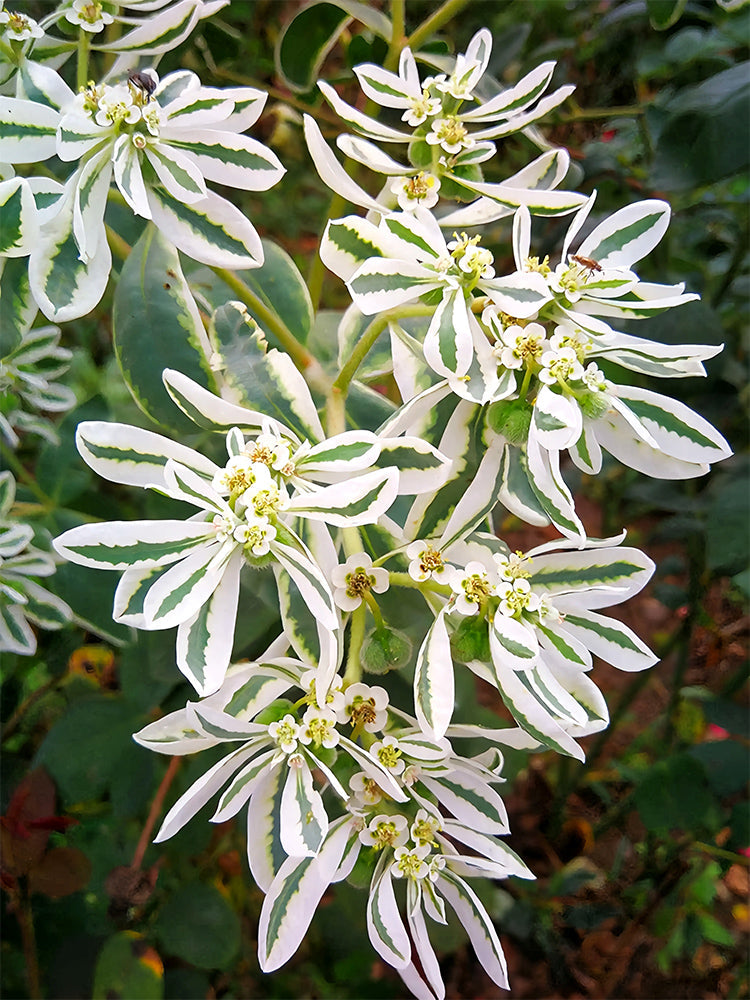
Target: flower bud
(511, 418)
(385, 649)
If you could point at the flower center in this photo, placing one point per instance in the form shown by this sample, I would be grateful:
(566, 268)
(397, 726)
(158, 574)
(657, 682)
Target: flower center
(362, 711)
(358, 583)
(389, 756)
(385, 834)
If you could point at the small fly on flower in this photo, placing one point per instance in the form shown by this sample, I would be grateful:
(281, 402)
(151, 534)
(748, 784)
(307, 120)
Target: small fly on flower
(587, 262)
(143, 82)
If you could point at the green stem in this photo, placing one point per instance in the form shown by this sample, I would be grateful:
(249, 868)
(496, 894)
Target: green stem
(82, 69)
(435, 22)
(353, 672)
(269, 319)
(366, 342)
(317, 270)
(117, 244)
(372, 604)
(398, 35)
(425, 586)
(589, 114)
(718, 852)
(22, 476)
(25, 917)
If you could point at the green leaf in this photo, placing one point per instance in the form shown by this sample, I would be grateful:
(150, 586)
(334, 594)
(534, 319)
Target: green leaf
(703, 117)
(664, 13)
(19, 308)
(128, 966)
(156, 326)
(198, 925)
(267, 379)
(674, 795)
(89, 750)
(310, 36)
(725, 763)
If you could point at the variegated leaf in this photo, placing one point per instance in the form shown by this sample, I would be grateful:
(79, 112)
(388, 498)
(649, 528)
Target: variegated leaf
(304, 822)
(433, 680)
(474, 918)
(138, 544)
(384, 924)
(609, 639)
(130, 455)
(293, 896)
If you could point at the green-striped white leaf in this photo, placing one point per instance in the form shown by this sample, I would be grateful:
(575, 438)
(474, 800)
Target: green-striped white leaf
(304, 822)
(142, 544)
(330, 170)
(600, 577)
(526, 709)
(351, 451)
(515, 492)
(470, 798)
(381, 284)
(179, 593)
(64, 286)
(448, 342)
(242, 786)
(309, 580)
(16, 635)
(130, 455)
(265, 854)
(357, 501)
(347, 243)
(204, 642)
(489, 847)
(126, 162)
(551, 491)
(609, 639)
(557, 418)
(45, 609)
(677, 430)
(421, 467)
(293, 896)
(474, 918)
(360, 122)
(267, 381)
(628, 235)
(201, 791)
(18, 220)
(28, 130)
(478, 499)
(162, 30)
(175, 734)
(513, 642)
(211, 231)
(225, 157)
(433, 680)
(515, 98)
(384, 924)
(177, 172)
(19, 307)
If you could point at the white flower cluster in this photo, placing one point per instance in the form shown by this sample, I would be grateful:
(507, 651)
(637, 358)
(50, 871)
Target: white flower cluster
(498, 374)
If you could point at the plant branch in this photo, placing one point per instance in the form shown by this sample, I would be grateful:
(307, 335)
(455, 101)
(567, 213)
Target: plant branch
(398, 34)
(435, 22)
(353, 672)
(117, 244)
(154, 811)
(82, 67)
(268, 318)
(367, 341)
